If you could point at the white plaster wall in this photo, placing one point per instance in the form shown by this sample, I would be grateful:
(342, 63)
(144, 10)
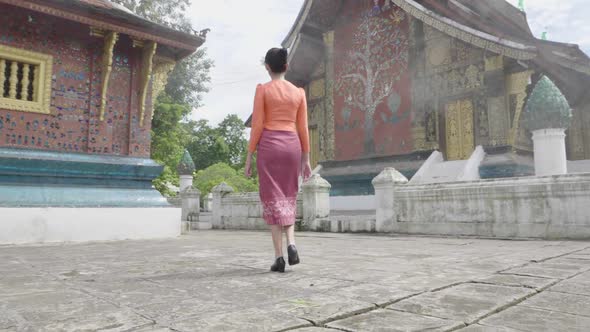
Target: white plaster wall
(537, 207)
(352, 203)
(243, 211)
(38, 225)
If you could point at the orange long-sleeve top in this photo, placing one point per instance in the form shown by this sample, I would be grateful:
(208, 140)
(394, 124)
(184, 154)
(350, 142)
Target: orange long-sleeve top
(279, 105)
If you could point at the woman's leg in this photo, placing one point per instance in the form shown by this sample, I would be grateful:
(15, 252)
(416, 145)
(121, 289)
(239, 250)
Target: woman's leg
(277, 239)
(290, 232)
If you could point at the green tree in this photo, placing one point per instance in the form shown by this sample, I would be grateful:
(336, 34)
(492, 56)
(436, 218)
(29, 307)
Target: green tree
(190, 79)
(232, 130)
(215, 174)
(186, 85)
(206, 146)
(168, 12)
(168, 140)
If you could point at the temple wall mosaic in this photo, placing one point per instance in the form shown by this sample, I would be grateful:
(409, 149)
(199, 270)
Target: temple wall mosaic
(372, 99)
(392, 84)
(73, 124)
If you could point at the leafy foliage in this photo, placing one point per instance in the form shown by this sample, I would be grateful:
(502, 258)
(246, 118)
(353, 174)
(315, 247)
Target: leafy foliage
(215, 174)
(168, 139)
(218, 152)
(190, 78)
(232, 130)
(167, 12)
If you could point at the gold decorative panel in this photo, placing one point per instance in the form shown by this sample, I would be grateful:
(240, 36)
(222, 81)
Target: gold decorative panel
(162, 68)
(499, 123)
(459, 129)
(314, 142)
(317, 89)
(516, 85)
(25, 80)
(494, 63)
(320, 69)
(438, 52)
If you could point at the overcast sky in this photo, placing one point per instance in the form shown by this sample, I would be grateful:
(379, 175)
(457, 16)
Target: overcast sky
(243, 30)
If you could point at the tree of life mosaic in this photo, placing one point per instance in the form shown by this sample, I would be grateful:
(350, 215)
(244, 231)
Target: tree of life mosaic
(372, 82)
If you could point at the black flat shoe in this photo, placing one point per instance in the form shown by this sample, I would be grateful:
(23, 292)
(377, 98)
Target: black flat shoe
(279, 265)
(293, 255)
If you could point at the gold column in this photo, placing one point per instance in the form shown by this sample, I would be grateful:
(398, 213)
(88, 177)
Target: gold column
(147, 66)
(107, 66)
(25, 82)
(13, 80)
(2, 76)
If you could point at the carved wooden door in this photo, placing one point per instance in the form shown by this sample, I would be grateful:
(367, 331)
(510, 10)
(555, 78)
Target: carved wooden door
(459, 129)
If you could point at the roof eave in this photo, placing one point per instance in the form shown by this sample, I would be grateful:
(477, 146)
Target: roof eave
(121, 22)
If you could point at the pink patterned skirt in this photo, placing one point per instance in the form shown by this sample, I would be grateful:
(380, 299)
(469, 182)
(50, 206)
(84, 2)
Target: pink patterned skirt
(279, 163)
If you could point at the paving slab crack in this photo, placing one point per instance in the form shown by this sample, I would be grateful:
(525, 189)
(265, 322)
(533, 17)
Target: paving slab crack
(524, 298)
(388, 303)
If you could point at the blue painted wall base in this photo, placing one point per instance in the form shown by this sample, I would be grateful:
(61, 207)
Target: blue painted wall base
(30, 178)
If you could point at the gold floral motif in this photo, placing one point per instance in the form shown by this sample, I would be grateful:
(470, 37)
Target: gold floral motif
(439, 52)
(474, 77)
(575, 136)
(320, 69)
(162, 68)
(459, 129)
(516, 85)
(498, 121)
(494, 63)
(317, 89)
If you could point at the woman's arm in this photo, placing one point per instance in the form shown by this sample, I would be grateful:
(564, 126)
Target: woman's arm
(257, 119)
(257, 127)
(303, 131)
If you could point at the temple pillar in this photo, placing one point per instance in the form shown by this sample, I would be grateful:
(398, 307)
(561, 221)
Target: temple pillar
(550, 155)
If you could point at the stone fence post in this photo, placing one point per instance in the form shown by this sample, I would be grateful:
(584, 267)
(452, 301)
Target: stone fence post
(191, 207)
(208, 202)
(219, 192)
(316, 203)
(384, 185)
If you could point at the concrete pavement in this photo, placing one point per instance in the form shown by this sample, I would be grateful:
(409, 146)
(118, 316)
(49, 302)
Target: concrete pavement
(219, 281)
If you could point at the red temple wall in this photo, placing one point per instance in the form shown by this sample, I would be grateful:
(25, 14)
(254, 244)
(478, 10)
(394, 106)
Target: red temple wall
(74, 125)
(384, 33)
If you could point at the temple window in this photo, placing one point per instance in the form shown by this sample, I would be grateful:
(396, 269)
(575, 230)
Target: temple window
(25, 80)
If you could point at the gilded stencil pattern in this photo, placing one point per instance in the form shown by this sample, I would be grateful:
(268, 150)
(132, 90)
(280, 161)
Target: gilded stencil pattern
(459, 123)
(317, 89)
(517, 84)
(498, 121)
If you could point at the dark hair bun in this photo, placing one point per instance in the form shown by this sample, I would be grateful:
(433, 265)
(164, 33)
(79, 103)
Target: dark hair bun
(284, 53)
(276, 59)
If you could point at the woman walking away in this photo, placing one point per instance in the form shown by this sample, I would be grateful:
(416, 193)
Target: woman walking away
(280, 135)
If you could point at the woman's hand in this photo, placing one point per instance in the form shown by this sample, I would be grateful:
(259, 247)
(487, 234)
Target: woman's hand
(305, 167)
(306, 171)
(248, 167)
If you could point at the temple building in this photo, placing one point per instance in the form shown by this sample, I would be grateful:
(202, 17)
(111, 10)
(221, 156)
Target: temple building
(78, 79)
(389, 82)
